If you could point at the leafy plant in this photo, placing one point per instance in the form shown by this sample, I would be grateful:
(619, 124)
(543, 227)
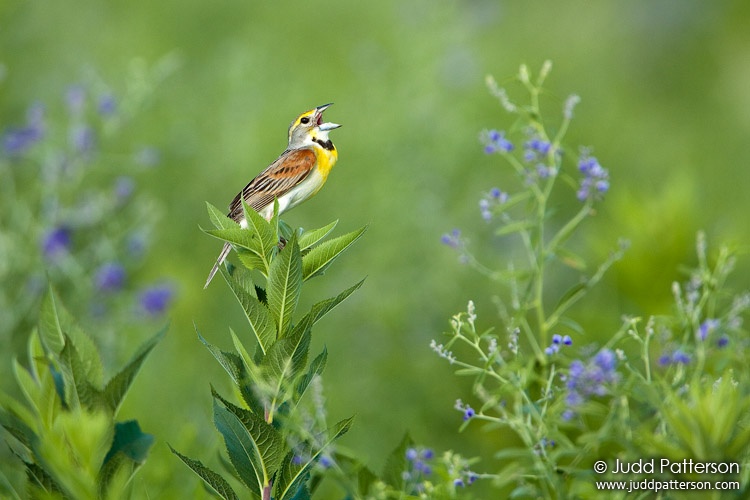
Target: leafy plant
(65, 432)
(671, 388)
(271, 447)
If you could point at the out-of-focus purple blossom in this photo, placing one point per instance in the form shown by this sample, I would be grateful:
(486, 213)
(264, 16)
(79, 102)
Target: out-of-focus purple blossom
(124, 187)
(452, 239)
(325, 461)
(75, 98)
(82, 139)
(723, 341)
(493, 198)
(156, 299)
(56, 242)
(18, 140)
(110, 277)
(558, 341)
(107, 105)
(592, 378)
(680, 357)
(595, 182)
(495, 142)
(706, 328)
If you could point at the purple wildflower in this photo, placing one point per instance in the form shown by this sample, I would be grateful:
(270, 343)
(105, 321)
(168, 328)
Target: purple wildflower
(707, 327)
(495, 142)
(154, 300)
(110, 277)
(459, 482)
(412, 454)
(124, 187)
(56, 242)
(82, 139)
(595, 182)
(18, 140)
(592, 378)
(680, 357)
(452, 239)
(107, 105)
(723, 341)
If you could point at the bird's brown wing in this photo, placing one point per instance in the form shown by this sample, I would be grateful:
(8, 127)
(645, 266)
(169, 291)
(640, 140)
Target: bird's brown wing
(289, 169)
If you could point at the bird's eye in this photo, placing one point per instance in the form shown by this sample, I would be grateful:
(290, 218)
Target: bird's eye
(304, 120)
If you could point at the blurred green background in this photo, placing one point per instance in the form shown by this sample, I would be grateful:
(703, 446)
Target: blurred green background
(665, 89)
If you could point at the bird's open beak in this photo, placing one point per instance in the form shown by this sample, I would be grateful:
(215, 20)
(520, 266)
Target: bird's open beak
(319, 118)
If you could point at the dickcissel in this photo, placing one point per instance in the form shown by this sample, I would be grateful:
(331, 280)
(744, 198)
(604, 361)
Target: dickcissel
(295, 176)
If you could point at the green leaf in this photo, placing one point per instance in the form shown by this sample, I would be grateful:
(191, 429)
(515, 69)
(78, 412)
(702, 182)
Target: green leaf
(243, 450)
(320, 309)
(286, 358)
(130, 441)
(365, 479)
(230, 361)
(311, 237)
(79, 391)
(258, 315)
(267, 233)
(117, 387)
(570, 259)
(395, 464)
(284, 285)
(219, 219)
(30, 387)
(316, 368)
(212, 479)
(292, 476)
(270, 443)
(55, 322)
(319, 258)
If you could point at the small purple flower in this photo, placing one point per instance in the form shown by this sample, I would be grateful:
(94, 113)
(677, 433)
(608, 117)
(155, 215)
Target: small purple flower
(154, 300)
(469, 413)
(557, 339)
(325, 461)
(107, 105)
(495, 142)
(18, 140)
(124, 187)
(56, 242)
(680, 357)
(595, 182)
(428, 454)
(567, 340)
(110, 277)
(82, 139)
(412, 454)
(723, 341)
(707, 327)
(459, 482)
(452, 239)
(592, 378)
(298, 460)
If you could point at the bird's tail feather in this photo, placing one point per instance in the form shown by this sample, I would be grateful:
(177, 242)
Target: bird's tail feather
(222, 257)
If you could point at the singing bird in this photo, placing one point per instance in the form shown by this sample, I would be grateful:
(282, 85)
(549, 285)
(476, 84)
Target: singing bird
(295, 176)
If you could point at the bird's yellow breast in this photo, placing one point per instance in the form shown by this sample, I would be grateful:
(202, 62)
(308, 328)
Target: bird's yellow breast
(326, 160)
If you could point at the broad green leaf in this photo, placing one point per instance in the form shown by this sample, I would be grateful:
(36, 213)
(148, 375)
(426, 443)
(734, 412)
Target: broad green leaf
(55, 322)
(266, 232)
(117, 387)
(219, 218)
(79, 391)
(365, 479)
(258, 315)
(320, 309)
(212, 479)
(30, 387)
(284, 285)
(395, 464)
(316, 368)
(50, 328)
(311, 237)
(270, 443)
(238, 237)
(230, 361)
(243, 450)
(284, 361)
(319, 258)
(292, 475)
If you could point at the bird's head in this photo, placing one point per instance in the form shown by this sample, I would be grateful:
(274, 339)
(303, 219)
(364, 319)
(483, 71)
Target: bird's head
(309, 128)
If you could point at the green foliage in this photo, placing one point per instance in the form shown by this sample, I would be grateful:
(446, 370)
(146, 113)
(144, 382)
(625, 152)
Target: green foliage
(65, 433)
(675, 388)
(271, 449)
